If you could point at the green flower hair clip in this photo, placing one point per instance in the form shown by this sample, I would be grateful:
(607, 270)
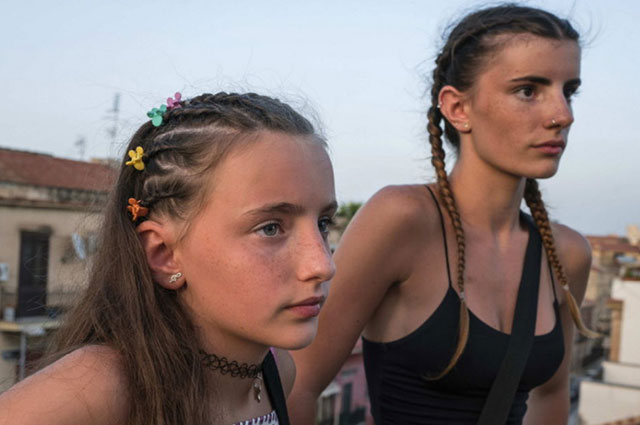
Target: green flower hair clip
(156, 115)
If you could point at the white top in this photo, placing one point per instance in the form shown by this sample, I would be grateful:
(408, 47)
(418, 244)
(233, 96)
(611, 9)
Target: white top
(268, 419)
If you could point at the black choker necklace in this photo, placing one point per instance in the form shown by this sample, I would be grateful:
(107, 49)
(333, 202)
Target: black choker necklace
(233, 368)
(236, 370)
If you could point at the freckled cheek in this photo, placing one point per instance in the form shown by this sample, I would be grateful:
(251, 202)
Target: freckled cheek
(271, 268)
(503, 126)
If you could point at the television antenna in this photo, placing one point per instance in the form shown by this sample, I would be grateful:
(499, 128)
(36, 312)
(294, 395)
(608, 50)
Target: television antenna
(114, 115)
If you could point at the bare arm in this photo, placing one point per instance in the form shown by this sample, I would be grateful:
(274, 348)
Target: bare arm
(84, 387)
(369, 260)
(549, 403)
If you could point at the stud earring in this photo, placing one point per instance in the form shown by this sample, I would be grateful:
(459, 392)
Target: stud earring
(554, 122)
(174, 277)
(466, 125)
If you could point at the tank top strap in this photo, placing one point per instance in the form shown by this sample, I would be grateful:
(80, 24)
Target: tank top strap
(444, 234)
(274, 387)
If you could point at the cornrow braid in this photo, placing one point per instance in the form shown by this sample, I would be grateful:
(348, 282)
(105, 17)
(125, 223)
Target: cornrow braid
(469, 44)
(195, 136)
(533, 199)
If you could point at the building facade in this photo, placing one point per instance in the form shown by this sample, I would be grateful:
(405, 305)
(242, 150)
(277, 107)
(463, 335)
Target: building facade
(49, 219)
(345, 401)
(617, 395)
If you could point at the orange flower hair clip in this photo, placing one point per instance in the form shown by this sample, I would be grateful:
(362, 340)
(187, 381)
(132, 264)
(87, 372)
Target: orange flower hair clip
(136, 209)
(136, 158)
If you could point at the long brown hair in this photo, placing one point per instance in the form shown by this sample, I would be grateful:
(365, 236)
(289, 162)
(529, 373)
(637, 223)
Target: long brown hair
(466, 50)
(122, 307)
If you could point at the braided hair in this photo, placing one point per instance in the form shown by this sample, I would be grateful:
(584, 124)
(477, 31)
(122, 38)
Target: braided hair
(193, 138)
(123, 308)
(466, 50)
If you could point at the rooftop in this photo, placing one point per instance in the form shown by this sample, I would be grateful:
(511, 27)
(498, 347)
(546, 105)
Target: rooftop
(613, 244)
(37, 169)
(607, 239)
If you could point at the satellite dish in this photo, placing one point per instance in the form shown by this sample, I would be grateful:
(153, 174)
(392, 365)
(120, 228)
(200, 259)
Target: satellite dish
(78, 246)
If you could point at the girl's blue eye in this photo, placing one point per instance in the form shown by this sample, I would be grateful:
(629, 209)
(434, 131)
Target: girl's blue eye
(324, 224)
(271, 229)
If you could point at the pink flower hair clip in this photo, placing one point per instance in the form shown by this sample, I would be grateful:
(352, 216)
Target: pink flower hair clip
(173, 103)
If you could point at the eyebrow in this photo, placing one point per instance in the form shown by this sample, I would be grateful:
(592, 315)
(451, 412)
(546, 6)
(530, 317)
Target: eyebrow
(544, 81)
(287, 208)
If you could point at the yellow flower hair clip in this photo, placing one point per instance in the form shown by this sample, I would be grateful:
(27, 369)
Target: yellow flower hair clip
(136, 209)
(136, 158)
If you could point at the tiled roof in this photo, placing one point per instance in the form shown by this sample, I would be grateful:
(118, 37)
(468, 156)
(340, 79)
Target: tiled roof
(618, 247)
(635, 420)
(45, 170)
(613, 244)
(609, 239)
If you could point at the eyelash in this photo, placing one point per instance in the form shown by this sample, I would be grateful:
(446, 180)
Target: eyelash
(327, 221)
(261, 229)
(569, 92)
(520, 91)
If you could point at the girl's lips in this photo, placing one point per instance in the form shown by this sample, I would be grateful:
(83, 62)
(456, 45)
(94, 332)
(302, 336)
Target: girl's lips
(307, 308)
(550, 150)
(305, 311)
(552, 147)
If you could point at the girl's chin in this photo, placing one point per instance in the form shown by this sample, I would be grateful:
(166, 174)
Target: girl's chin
(294, 342)
(543, 175)
(543, 172)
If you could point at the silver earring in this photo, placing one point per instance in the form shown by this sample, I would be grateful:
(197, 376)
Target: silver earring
(554, 122)
(175, 277)
(439, 105)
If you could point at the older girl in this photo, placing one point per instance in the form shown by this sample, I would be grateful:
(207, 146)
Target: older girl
(430, 275)
(213, 250)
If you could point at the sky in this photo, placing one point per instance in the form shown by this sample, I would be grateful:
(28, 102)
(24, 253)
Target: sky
(360, 67)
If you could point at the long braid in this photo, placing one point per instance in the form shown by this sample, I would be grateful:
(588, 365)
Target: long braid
(539, 213)
(446, 194)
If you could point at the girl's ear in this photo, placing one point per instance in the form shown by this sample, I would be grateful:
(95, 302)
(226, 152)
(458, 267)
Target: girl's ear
(452, 104)
(157, 243)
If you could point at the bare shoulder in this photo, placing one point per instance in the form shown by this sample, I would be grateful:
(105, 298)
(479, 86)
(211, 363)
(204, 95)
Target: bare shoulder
(402, 209)
(85, 386)
(401, 201)
(386, 234)
(286, 369)
(574, 253)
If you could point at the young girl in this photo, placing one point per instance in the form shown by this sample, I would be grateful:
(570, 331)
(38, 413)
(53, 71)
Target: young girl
(213, 250)
(436, 270)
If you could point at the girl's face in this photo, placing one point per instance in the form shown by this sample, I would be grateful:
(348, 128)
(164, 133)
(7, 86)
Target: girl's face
(256, 259)
(519, 107)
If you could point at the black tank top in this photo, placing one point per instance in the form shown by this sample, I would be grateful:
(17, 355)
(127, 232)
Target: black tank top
(274, 388)
(400, 395)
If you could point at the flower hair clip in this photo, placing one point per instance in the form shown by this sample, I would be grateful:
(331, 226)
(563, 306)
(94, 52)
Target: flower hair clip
(136, 209)
(156, 115)
(136, 158)
(173, 103)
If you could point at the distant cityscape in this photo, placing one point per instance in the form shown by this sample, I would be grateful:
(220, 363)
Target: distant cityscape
(49, 220)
